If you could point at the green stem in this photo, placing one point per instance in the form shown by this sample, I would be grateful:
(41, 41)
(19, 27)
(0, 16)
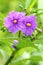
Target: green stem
(11, 57)
(39, 30)
(32, 5)
(19, 35)
(41, 13)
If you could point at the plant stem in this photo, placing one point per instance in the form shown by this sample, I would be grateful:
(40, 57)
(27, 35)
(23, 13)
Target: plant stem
(19, 35)
(12, 55)
(31, 5)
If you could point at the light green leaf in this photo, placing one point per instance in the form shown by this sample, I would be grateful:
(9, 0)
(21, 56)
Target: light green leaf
(3, 57)
(27, 3)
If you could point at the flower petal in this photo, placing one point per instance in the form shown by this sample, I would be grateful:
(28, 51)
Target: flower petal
(13, 29)
(7, 22)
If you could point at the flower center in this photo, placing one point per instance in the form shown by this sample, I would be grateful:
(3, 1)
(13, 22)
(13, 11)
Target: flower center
(15, 21)
(28, 24)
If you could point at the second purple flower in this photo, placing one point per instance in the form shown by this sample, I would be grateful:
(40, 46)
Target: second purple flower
(29, 25)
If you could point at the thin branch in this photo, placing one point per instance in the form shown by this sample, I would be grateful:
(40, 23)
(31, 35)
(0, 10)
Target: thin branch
(11, 57)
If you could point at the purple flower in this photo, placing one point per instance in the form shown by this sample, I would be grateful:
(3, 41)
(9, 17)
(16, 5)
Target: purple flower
(16, 41)
(29, 25)
(13, 46)
(13, 21)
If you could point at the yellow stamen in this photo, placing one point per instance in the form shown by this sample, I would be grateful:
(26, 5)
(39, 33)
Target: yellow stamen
(28, 24)
(15, 21)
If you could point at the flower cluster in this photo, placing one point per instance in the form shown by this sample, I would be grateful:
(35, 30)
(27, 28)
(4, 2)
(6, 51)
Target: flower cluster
(16, 21)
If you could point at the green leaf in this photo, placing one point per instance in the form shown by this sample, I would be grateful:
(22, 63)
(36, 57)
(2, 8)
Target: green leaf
(3, 56)
(40, 6)
(25, 42)
(39, 41)
(15, 5)
(31, 6)
(27, 3)
(36, 58)
(24, 53)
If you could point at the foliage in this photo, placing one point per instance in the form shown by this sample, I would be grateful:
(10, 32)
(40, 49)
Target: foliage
(29, 48)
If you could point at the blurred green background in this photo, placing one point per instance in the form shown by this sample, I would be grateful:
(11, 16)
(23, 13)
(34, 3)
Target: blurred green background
(30, 48)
